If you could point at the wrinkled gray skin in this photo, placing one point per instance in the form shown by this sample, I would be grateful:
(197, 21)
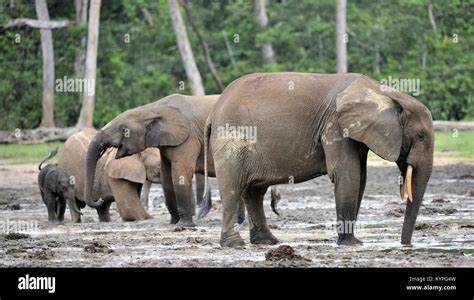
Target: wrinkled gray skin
(310, 125)
(175, 125)
(56, 190)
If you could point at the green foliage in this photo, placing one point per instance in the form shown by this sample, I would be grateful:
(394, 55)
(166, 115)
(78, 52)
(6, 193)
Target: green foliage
(302, 33)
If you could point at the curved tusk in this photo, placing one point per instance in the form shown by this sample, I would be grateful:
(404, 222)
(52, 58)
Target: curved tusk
(402, 190)
(408, 182)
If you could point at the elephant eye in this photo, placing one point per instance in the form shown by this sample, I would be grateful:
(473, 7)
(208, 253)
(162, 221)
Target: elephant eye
(421, 137)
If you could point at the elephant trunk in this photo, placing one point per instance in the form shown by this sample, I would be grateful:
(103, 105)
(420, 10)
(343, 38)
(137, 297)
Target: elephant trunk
(95, 150)
(71, 202)
(416, 181)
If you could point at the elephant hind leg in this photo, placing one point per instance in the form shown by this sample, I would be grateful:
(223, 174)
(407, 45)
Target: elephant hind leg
(259, 231)
(231, 198)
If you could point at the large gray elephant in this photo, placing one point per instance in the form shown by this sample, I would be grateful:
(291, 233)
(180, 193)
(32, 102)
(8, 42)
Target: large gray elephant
(175, 125)
(310, 125)
(115, 180)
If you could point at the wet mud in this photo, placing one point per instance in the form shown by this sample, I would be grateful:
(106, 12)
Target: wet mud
(443, 237)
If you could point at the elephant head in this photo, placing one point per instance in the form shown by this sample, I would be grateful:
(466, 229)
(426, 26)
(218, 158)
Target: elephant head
(64, 186)
(151, 159)
(396, 127)
(152, 125)
(136, 168)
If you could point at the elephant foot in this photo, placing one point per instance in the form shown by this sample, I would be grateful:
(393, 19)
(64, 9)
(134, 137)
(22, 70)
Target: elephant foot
(145, 216)
(262, 236)
(134, 218)
(232, 241)
(56, 222)
(188, 222)
(174, 220)
(348, 240)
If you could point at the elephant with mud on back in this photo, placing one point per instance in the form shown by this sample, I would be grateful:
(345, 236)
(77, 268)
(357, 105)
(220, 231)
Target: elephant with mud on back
(175, 125)
(115, 180)
(310, 125)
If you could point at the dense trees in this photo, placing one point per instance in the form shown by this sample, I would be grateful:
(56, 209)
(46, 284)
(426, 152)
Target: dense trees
(139, 61)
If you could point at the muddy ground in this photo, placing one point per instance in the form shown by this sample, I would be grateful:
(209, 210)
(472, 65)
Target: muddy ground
(444, 235)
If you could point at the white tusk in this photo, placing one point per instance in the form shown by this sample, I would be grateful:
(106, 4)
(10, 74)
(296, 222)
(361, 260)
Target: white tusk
(408, 182)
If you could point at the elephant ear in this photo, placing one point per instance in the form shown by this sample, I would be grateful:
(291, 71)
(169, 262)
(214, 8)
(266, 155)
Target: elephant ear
(366, 114)
(130, 168)
(170, 128)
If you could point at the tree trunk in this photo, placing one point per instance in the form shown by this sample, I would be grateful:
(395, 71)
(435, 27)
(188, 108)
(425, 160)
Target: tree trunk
(40, 24)
(341, 36)
(261, 21)
(192, 71)
(47, 119)
(376, 62)
(229, 49)
(81, 19)
(431, 17)
(205, 48)
(87, 111)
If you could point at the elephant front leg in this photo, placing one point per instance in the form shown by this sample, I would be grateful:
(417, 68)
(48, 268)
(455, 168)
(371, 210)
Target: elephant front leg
(182, 183)
(104, 212)
(75, 217)
(127, 198)
(199, 188)
(347, 187)
(344, 167)
(145, 194)
(50, 200)
(168, 190)
(60, 210)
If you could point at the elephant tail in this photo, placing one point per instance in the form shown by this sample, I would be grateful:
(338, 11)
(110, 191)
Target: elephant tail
(206, 201)
(51, 154)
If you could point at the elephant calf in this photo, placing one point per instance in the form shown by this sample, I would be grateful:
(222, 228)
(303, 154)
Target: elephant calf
(56, 189)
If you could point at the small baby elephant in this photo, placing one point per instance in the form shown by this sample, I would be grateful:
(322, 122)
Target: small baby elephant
(56, 188)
